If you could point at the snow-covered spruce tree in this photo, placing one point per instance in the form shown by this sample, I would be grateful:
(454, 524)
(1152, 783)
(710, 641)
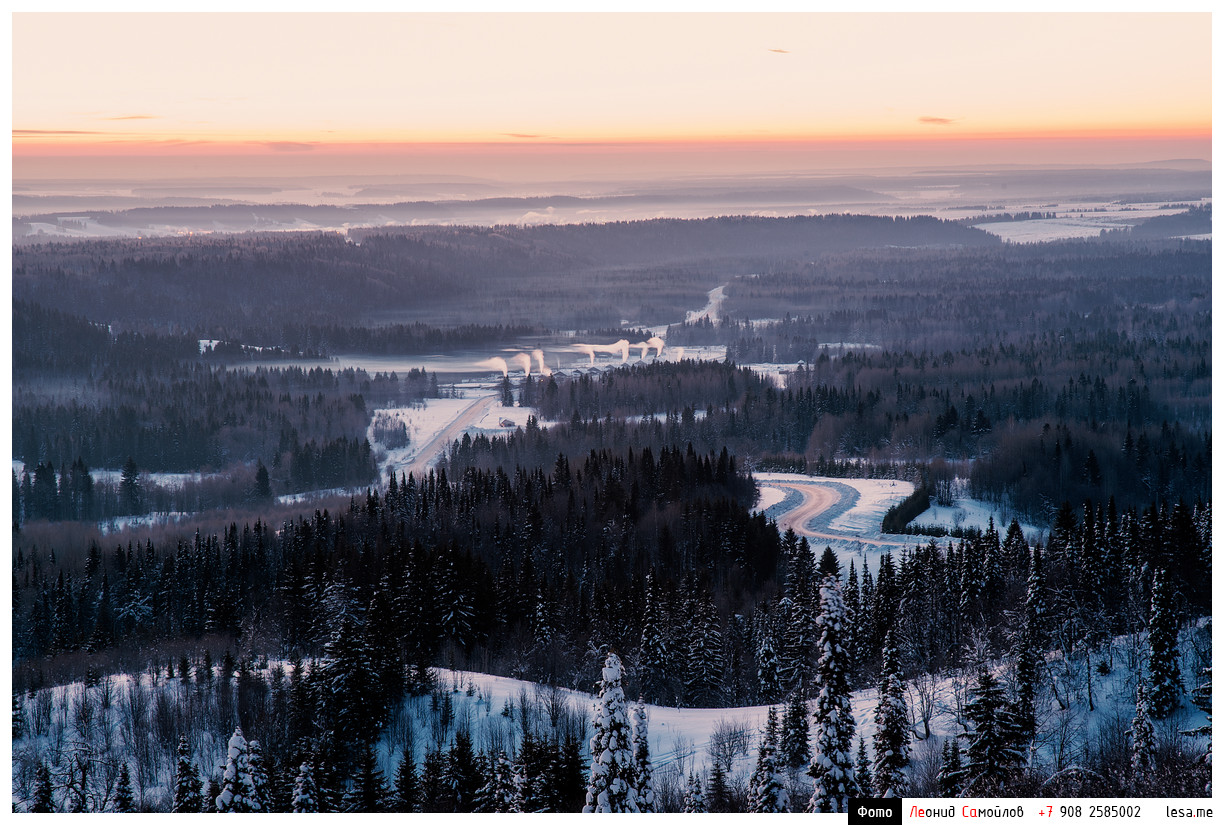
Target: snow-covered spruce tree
(769, 686)
(992, 754)
(850, 596)
(259, 777)
(305, 794)
(124, 803)
(694, 796)
(654, 663)
(703, 683)
(236, 788)
(1029, 649)
(794, 665)
(892, 736)
(498, 795)
(610, 787)
(951, 773)
(796, 746)
(766, 792)
(1163, 668)
(832, 767)
(643, 775)
(187, 795)
(862, 769)
(1143, 744)
(351, 707)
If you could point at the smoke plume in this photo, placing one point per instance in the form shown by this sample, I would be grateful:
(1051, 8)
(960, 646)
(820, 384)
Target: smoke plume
(497, 363)
(523, 360)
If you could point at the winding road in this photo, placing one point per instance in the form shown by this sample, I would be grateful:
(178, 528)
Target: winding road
(814, 500)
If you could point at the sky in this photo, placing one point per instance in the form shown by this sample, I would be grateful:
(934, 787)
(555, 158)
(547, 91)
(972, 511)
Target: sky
(154, 94)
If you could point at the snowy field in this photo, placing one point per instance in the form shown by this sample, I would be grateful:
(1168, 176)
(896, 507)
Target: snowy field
(424, 423)
(1080, 220)
(967, 512)
(490, 708)
(491, 422)
(769, 496)
(168, 480)
(435, 423)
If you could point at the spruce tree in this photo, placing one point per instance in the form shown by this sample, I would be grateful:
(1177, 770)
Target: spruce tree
(407, 788)
(187, 795)
(796, 746)
(694, 796)
(892, 736)
(718, 795)
(766, 793)
(124, 803)
(433, 793)
(653, 656)
(643, 777)
(951, 773)
(258, 802)
(794, 663)
(703, 684)
(769, 686)
(368, 790)
(1143, 744)
(305, 793)
(862, 770)
(236, 787)
(832, 767)
(610, 786)
(43, 802)
(992, 754)
(1163, 668)
(1029, 650)
(498, 796)
(211, 791)
(351, 704)
(462, 776)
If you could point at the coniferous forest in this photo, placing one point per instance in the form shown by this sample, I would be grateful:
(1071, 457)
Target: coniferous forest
(264, 650)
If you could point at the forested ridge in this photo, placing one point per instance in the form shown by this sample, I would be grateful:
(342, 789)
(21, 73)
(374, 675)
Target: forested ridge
(535, 574)
(562, 276)
(615, 545)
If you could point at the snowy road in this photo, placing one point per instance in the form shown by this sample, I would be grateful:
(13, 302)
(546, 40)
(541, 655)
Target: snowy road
(815, 499)
(454, 430)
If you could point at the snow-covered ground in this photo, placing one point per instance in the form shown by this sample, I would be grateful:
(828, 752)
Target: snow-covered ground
(682, 740)
(1085, 220)
(713, 307)
(492, 420)
(435, 422)
(99, 475)
(769, 496)
(968, 512)
(118, 523)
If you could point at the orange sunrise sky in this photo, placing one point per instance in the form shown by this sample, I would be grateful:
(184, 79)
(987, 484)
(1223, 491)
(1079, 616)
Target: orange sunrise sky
(732, 89)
